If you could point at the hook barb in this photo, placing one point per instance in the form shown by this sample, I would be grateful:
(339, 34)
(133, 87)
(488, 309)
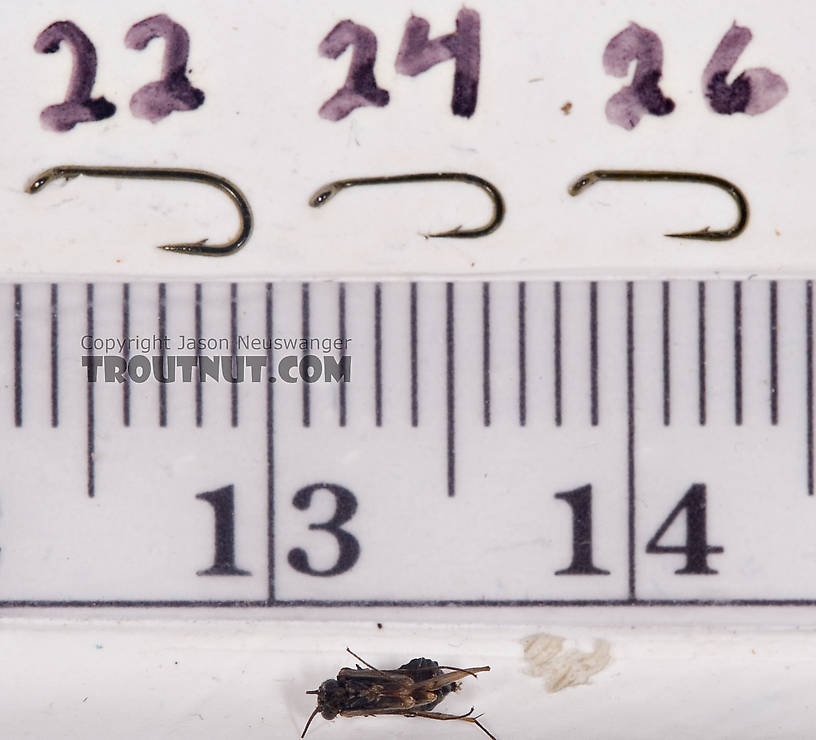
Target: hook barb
(69, 172)
(327, 192)
(706, 234)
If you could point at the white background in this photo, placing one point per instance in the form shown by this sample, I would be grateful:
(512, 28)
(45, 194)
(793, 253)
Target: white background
(258, 65)
(192, 678)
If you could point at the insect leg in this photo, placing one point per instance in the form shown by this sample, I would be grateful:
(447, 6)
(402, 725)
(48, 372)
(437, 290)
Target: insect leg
(462, 717)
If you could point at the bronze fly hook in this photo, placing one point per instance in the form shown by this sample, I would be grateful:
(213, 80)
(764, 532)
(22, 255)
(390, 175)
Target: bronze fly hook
(591, 178)
(324, 194)
(158, 173)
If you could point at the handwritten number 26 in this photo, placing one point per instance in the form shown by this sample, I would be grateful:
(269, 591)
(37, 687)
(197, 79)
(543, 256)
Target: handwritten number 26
(753, 92)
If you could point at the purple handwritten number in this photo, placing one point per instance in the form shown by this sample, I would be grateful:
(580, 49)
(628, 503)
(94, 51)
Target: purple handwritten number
(626, 107)
(78, 106)
(753, 92)
(173, 92)
(417, 54)
(360, 88)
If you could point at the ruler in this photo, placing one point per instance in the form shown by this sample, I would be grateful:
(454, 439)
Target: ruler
(495, 443)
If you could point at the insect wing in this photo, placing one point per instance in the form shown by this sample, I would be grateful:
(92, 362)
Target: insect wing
(372, 690)
(381, 677)
(443, 679)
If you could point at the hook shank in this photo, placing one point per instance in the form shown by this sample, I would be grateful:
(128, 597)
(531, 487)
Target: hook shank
(69, 172)
(325, 193)
(590, 178)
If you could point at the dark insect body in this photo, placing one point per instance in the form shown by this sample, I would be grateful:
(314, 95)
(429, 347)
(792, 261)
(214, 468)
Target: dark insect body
(412, 690)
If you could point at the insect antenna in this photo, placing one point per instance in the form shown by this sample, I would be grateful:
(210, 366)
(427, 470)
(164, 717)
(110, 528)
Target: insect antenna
(364, 662)
(311, 717)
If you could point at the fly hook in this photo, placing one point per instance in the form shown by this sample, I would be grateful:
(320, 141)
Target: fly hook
(157, 173)
(591, 178)
(324, 194)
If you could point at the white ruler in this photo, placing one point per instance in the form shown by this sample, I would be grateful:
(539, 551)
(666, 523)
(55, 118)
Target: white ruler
(497, 444)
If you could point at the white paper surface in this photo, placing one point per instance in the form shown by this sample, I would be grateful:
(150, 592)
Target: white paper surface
(265, 81)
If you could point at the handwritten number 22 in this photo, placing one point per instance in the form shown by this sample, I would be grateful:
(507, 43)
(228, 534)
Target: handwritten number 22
(153, 101)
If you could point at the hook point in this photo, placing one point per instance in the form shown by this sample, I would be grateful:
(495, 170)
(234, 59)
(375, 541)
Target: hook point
(705, 233)
(456, 231)
(192, 248)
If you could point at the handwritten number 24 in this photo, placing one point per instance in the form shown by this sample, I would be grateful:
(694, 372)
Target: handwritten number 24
(417, 54)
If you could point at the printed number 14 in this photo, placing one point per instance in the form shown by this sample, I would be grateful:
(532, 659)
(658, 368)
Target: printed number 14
(696, 547)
